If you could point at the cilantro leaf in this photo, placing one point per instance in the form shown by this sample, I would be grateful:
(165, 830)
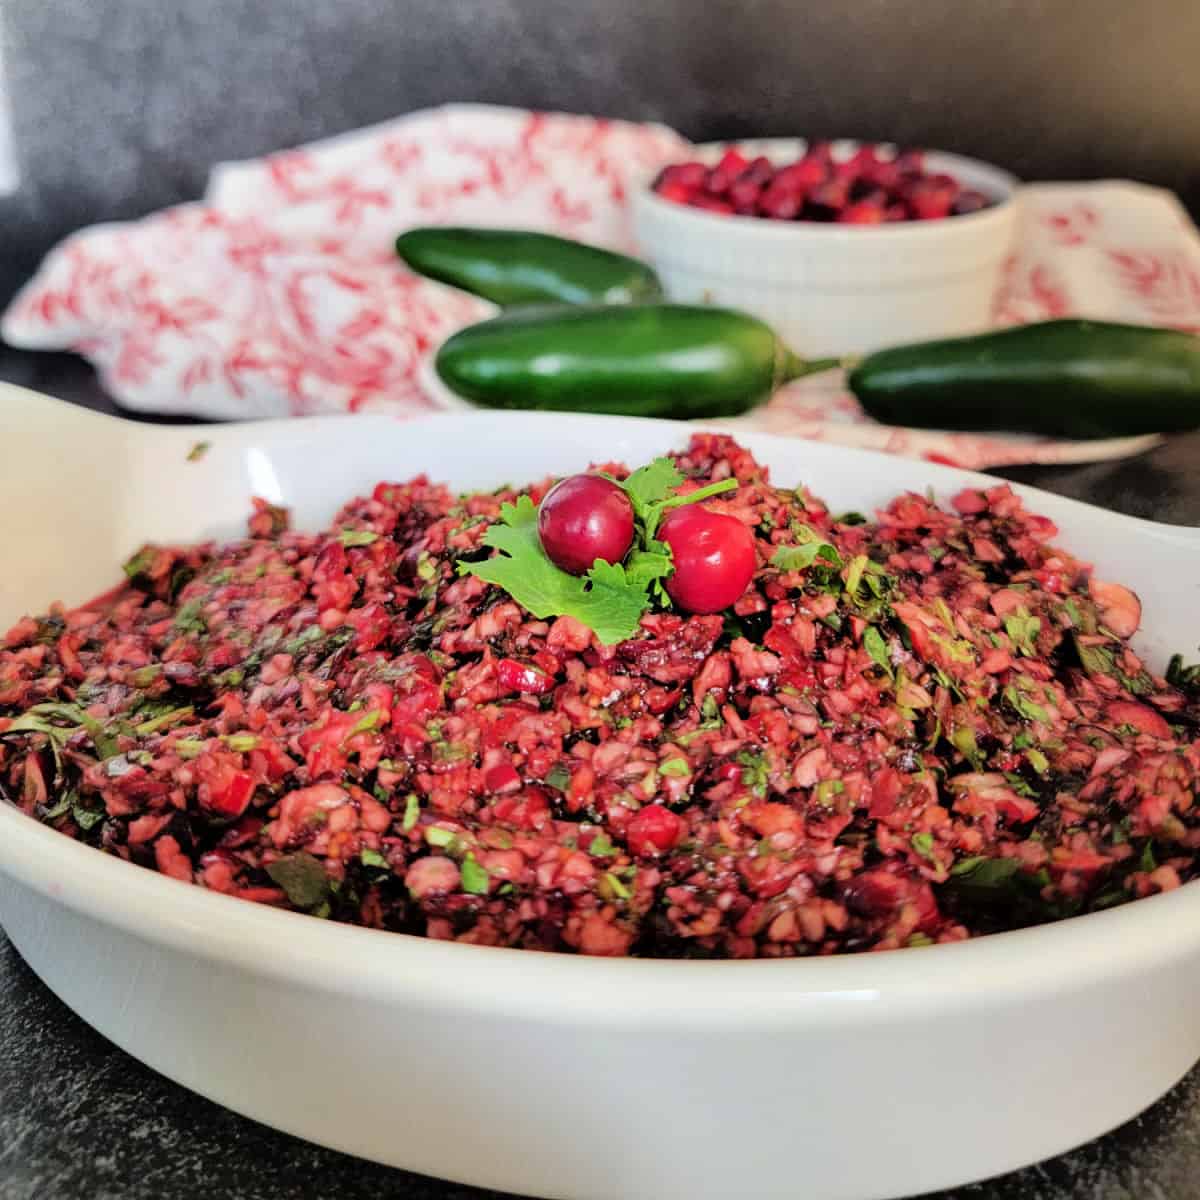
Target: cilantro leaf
(1023, 629)
(607, 601)
(475, 878)
(302, 877)
(876, 647)
(357, 537)
(651, 483)
(800, 558)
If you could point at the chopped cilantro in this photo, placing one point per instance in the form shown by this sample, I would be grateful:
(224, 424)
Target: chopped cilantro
(558, 777)
(825, 791)
(475, 879)
(1023, 629)
(302, 877)
(801, 557)
(614, 887)
(1037, 760)
(357, 537)
(198, 451)
(1021, 703)
(366, 723)
(372, 858)
(412, 812)
(189, 618)
(675, 768)
(444, 839)
(963, 740)
(922, 843)
(755, 771)
(601, 846)
(86, 818)
(171, 717)
(140, 563)
(876, 647)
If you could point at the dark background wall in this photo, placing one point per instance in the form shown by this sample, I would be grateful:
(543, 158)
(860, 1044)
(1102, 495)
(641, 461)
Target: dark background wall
(120, 106)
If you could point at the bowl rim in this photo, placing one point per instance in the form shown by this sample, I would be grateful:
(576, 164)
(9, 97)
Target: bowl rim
(725, 994)
(1006, 187)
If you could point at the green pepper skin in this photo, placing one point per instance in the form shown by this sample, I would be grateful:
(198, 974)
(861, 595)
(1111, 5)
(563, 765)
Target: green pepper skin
(653, 360)
(512, 266)
(1066, 378)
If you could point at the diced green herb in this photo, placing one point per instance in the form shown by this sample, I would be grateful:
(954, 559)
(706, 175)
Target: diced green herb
(475, 879)
(755, 771)
(674, 768)
(86, 818)
(435, 835)
(800, 558)
(1037, 760)
(367, 722)
(1147, 861)
(850, 518)
(240, 743)
(163, 721)
(1022, 704)
(61, 807)
(198, 451)
(854, 574)
(190, 619)
(302, 877)
(357, 537)
(922, 843)
(876, 647)
(963, 740)
(139, 563)
(982, 872)
(372, 858)
(1096, 659)
(1023, 629)
(826, 789)
(412, 812)
(615, 888)
(601, 846)
(558, 777)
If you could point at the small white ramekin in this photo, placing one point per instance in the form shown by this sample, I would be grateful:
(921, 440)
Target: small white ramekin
(829, 288)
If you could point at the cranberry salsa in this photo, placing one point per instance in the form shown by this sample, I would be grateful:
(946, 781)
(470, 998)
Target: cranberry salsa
(873, 185)
(751, 727)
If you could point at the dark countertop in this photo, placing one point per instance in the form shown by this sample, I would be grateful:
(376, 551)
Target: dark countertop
(81, 1120)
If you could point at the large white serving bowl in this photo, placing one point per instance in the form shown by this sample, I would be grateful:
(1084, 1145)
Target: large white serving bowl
(829, 288)
(876, 1075)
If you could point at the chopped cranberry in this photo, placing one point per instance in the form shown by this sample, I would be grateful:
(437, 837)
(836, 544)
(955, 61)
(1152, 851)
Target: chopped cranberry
(653, 830)
(515, 676)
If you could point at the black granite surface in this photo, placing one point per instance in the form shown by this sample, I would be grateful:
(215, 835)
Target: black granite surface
(81, 1120)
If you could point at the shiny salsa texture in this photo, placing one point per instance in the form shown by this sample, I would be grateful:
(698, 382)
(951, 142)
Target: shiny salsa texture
(910, 729)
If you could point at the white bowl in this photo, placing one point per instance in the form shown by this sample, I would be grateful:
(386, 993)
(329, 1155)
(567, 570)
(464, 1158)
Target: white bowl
(873, 1075)
(836, 289)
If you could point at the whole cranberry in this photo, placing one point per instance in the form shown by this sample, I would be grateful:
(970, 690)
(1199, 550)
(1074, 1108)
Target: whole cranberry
(713, 555)
(583, 518)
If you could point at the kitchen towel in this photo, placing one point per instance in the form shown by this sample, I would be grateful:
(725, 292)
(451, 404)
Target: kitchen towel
(280, 294)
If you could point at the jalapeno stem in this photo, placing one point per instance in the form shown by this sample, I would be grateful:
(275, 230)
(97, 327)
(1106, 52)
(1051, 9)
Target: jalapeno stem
(794, 367)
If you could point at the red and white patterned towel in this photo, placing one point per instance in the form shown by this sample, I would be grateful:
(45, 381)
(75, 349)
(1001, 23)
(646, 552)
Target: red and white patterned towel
(280, 293)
